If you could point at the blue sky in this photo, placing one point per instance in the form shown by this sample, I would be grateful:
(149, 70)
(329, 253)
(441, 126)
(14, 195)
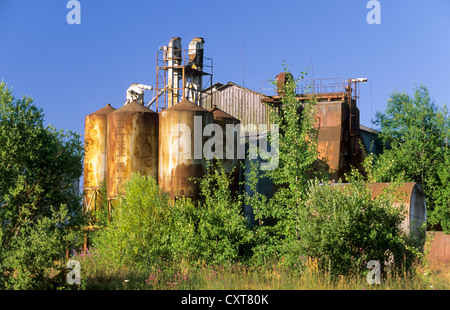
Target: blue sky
(74, 70)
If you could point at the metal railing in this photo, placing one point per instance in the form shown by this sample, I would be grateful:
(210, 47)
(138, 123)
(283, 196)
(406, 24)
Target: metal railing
(185, 68)
(319, 87)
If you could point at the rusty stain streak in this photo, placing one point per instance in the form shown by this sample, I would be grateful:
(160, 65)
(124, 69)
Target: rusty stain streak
(176, 149)
(95, 157)
(132, 145)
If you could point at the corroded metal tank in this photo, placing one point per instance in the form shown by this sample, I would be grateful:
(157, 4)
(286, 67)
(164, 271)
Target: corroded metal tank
(337, 141)
(181, 143)
(231, 164)
(412, 197)
(95, 158)
(132, 146)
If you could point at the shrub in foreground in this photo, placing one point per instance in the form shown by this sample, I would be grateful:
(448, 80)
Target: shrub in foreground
(344, 228)
(147, 226)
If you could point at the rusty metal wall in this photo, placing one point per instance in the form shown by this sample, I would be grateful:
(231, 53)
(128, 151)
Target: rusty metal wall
(241, 103)
(95, 142)
(177, 162)
(132, 145)
(440, 247)
(332, 140)
(338, 144)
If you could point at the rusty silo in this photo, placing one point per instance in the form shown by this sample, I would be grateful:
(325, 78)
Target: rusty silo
(229, 143)
(132, 146)
(181, 143)
(95, 158)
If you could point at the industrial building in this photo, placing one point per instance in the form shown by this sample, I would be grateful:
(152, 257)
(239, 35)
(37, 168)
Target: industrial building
(158, 137)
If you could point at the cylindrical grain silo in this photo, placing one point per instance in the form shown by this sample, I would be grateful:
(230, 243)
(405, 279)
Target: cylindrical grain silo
(411, 195)
(230, 128)
(132, 146)
(181, 143)
(95, 158)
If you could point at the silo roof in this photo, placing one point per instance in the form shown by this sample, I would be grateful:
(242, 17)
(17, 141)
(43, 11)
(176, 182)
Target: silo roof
(105, 110)
(186, 105)
(220, 113)
(134, 106)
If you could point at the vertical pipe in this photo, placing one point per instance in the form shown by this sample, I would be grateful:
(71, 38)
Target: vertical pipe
(157, 88)
(195, 54)
(174, 60)
(242, 33)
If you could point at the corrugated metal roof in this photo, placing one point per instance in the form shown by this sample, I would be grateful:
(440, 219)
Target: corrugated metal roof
(220, 86)
(367, 129)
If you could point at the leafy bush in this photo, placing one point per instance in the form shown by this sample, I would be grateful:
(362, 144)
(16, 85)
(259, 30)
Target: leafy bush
(141, 225)
(222, 230)
(441, 195)
(147, 226)
(344, 227)
(33, 258)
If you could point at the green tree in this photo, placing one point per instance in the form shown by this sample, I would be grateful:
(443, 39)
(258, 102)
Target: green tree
(441, 194)
(297, 158)
(416, 134)
(222, 232)
(40, 169)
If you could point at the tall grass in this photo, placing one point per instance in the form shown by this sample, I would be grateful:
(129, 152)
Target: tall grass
(166, 275)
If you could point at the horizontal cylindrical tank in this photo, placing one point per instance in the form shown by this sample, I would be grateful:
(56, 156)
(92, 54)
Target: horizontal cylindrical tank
(411, 195)
(181, 143)
(95, 157)
(132, 145)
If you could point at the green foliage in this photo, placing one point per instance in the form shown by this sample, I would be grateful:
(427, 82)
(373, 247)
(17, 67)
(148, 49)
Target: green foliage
(297, 162)
(297, 144)
(39, 172)
(305, 219)
(344, 227)
(148, 226)
(341, 227)
(441, 194)
(222, 229)
(37, 252)
(416, 132)
(141, 225)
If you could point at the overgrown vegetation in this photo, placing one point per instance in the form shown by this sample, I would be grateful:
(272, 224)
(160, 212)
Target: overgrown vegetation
(339, 227)
(416, 134)
(147, 226)
(305, 275)
(40, 169)
(344, 228)
(310, 234)
(297, 154)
